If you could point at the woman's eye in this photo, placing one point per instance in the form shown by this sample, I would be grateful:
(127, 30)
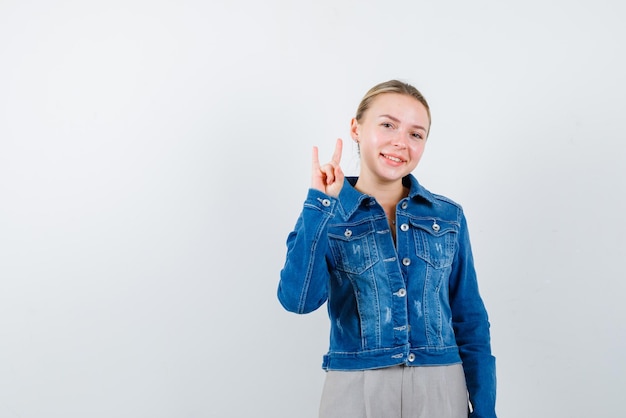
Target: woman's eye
(417, 135)
(386, 125)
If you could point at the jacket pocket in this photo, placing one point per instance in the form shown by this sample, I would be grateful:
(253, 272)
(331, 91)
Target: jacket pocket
(435, 241)
(353, 246)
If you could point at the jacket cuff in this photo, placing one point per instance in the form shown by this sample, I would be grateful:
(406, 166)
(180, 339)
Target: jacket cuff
(320, 201)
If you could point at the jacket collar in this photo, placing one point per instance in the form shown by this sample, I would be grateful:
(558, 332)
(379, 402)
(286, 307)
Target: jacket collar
(350, 198)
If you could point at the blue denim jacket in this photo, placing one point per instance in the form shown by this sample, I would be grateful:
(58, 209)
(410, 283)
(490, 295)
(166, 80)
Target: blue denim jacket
(414, 303)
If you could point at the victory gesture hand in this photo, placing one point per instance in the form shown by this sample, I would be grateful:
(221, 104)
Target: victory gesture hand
(328, 178)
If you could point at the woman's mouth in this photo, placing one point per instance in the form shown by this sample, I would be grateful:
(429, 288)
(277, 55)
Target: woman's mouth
(392, 158)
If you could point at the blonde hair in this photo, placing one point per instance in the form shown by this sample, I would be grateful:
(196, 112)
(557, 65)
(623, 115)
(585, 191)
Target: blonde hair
(391, 86)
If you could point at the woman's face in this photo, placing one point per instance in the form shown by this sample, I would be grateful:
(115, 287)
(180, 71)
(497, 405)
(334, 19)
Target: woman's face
(391, 135)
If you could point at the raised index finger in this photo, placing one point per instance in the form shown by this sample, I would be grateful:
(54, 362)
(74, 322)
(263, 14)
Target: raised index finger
(337, 154)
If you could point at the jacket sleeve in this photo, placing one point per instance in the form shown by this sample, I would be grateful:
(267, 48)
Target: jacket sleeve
(471, 326)
(303, 285)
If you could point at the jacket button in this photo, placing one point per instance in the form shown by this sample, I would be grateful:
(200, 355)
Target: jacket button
(402, 293)
(326, 202)
(411, 357)
(436, 227)
(404, 227)
(404, 205)
(406, 261)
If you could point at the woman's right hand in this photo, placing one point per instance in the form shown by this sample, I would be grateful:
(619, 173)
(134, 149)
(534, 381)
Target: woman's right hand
(328, 178)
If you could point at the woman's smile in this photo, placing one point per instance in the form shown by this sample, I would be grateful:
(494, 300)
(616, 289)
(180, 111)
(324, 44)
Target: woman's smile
(393, 158)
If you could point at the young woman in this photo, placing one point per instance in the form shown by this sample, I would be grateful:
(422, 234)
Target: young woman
(409, 333)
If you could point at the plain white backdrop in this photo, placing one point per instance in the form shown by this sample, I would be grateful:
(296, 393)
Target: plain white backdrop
(154, 155)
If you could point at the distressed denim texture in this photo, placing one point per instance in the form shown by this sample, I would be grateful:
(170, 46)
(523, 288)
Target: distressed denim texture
(415, 303)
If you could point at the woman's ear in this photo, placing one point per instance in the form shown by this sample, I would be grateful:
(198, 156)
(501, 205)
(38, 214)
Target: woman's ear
(354, 130)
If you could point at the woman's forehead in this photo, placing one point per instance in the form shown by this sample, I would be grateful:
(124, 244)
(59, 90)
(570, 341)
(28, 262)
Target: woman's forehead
(403, 107)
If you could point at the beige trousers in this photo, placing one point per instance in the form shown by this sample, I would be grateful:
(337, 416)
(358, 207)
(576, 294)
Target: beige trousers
(396, 392)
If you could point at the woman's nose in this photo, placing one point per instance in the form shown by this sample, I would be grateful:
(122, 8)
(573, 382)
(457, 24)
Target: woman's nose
(399, 140)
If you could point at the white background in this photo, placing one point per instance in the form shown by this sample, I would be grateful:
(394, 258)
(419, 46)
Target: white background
(154, 155)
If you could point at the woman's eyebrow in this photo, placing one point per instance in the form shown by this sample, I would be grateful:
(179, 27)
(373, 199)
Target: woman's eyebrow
(393, 118)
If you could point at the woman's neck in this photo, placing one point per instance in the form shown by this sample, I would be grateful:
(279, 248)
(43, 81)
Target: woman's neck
(387, 194)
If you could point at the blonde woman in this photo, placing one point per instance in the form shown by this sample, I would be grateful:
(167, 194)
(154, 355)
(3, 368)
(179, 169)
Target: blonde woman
(409, 333)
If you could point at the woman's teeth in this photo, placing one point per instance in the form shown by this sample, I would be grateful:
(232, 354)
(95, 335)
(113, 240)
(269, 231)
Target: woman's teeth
(392, 158)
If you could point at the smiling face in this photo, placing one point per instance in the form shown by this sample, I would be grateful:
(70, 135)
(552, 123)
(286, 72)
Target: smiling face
(391, 134)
